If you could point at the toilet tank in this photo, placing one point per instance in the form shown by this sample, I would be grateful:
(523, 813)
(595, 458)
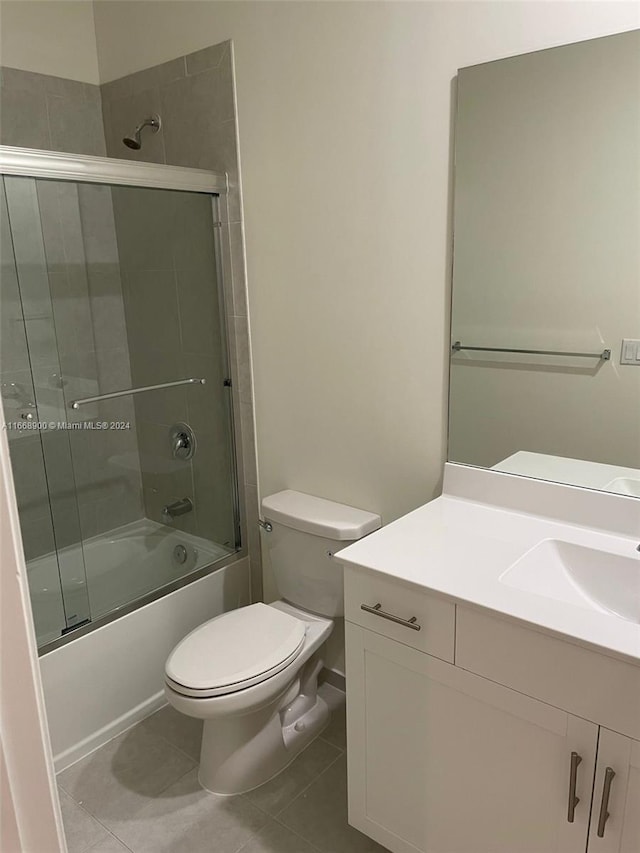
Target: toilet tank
(306, 532)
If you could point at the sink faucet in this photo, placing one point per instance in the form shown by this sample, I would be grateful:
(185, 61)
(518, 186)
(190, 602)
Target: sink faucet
(181, 507)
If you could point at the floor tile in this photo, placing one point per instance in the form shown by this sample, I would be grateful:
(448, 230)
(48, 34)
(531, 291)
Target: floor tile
(319, 815)
(109, 845)
(181, 731)
(275, 795)
(118, 780)
(186, 819)
(275, 838)
(336, 731)
(80, 829)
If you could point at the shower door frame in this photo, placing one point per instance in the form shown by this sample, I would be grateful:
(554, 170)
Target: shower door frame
(81, 168)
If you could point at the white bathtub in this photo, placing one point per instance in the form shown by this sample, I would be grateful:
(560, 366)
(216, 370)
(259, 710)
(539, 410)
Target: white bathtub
(120, 566)
(101, 683)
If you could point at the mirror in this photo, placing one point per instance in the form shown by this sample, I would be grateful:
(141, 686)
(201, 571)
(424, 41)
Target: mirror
(545, 361)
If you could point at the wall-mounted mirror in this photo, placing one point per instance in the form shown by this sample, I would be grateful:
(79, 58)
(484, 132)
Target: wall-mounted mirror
(545, 362)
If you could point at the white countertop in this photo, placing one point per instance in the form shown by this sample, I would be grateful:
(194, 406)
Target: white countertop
(459, 548)
(577, 472)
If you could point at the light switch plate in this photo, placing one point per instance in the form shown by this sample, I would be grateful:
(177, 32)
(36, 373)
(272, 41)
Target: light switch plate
(630, 353)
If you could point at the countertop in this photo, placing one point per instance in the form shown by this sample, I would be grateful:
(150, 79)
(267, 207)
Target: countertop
(460, 548)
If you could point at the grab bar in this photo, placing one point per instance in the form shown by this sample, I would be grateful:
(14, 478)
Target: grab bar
(605, 355)
(75, 404)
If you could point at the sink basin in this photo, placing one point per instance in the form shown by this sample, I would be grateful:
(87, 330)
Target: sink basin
(624, 486)
(585, 577)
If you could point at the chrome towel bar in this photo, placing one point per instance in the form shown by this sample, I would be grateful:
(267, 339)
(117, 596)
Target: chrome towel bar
(605, 355)
(75, 404)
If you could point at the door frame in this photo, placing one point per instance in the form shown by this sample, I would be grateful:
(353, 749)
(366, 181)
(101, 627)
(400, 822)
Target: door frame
(27, 771)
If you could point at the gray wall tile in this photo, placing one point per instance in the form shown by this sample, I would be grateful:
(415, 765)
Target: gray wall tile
(207, 404)
(208, 57)
(107, 311)
(98, 228)
(75, 126)
(200, 322)
(24, 119)
(148, 78)
(51, 113)
(190, 108)
(238, 272)
(123, 115)
(243, 359)
(248, 444)
(145, 220)
(152, 310)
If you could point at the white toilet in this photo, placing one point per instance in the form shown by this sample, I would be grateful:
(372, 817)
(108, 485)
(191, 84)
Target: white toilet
(251, 674)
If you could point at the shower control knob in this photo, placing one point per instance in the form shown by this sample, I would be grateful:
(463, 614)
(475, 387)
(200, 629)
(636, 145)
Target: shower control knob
(183, 442)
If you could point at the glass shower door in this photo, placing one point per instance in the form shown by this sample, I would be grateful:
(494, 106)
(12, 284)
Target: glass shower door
(155, 299)
(31, 391)
(115, 366)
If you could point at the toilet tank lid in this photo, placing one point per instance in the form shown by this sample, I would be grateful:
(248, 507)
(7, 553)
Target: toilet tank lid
(319, 516)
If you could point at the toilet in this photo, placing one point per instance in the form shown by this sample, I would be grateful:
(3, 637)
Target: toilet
(252, 674)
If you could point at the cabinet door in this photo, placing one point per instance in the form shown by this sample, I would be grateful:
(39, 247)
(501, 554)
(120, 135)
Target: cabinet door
(619, 797)
(443, 761)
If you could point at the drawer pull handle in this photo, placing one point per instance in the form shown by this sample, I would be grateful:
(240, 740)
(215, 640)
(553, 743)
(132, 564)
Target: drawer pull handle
(609, 773)
(378, 611)
(573, 780)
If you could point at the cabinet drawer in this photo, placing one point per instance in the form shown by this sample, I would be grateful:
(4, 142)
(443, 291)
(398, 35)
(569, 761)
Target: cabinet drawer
(583, 682)
(426, 622)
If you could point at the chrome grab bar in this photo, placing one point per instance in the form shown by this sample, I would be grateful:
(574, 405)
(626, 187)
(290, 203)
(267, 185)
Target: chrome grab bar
(75, 404)
(605, 355)
(378, 611)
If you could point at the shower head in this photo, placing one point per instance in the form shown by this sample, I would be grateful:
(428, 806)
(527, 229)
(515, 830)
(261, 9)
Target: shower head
(134, 141)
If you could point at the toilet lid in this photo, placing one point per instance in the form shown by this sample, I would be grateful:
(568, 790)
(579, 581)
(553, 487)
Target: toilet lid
(233, 651)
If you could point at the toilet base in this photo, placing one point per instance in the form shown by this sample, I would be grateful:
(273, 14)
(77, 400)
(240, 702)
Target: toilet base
(242, 752)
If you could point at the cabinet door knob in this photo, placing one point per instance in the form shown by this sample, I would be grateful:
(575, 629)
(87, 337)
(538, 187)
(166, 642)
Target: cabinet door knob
(573, 780)
(378, 611)
(609, 773)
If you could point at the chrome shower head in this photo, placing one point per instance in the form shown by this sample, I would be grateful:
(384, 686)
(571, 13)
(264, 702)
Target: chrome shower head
(134, 141)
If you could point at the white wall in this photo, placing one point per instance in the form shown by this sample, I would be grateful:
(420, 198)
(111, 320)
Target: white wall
(49, 37)
(344, 115)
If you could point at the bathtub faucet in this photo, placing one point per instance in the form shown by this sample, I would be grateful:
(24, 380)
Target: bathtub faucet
(181, 507)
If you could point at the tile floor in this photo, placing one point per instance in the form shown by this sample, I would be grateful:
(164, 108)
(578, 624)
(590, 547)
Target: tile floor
(140, 793)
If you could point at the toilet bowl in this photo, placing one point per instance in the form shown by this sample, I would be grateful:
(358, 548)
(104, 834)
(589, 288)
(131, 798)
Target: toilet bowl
(251, 674)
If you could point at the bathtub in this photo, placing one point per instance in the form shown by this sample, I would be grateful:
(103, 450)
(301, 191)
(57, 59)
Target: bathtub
(101, 683)
(110, 571)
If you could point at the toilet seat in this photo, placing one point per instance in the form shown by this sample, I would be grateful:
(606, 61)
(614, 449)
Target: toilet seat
(234, 651)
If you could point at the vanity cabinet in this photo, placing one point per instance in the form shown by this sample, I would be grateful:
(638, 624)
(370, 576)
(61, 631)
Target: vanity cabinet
(444, 760)
(622, 829)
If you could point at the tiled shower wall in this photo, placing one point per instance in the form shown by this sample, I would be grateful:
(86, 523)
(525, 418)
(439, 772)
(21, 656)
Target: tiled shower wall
(74, 324)
(168, 263)
(194, 96)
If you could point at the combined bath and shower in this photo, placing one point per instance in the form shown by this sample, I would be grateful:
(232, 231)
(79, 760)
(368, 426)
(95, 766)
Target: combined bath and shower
(134, 141)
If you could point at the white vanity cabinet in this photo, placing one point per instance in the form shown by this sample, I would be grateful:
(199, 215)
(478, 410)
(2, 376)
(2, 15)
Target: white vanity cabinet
(620, 755)
(443, 760)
